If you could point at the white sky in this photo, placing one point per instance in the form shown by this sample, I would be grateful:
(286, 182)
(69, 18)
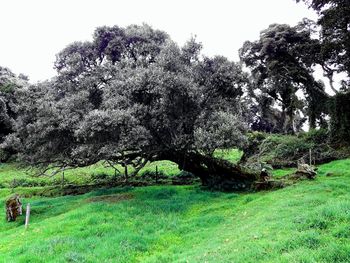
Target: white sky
(33, 31)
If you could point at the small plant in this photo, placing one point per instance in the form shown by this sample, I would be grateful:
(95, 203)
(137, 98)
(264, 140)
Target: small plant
(153, 175)
(316, 136)
(27, 182)
(185, 174)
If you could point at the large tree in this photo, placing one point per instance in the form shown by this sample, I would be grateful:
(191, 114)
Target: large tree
(131, 96)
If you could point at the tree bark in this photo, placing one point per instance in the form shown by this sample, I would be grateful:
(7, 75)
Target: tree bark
(214, 173)
(283, 119)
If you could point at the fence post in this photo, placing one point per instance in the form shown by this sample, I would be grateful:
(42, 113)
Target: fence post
(27, 216)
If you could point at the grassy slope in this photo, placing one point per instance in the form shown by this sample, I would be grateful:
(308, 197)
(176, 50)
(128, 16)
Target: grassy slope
(308, 222)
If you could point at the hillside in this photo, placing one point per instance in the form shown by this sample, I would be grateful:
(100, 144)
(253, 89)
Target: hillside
(306, 222)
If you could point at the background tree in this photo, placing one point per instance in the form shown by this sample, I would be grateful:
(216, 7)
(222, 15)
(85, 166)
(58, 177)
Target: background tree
(281, 63)
(334, 19)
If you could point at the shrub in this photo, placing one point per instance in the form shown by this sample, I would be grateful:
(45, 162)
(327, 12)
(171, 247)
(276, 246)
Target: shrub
(4, 155)
(285, 150)
(153, 175)
(27, 182)
(185, 174)
(100, 178)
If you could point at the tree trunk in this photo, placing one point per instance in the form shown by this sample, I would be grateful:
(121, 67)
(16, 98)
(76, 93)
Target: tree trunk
(214, 173)
(283, 120)
(126, 174)
(290, 121)
(312, 121)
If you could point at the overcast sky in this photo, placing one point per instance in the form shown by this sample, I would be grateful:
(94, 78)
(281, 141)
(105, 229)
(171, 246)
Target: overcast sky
(33, 31)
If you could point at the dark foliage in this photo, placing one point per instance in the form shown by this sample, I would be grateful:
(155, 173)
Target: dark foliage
(340, 118)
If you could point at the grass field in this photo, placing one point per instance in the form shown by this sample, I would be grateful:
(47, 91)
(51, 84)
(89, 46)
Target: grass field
(306, 222)
(13, 174)
(28, 177)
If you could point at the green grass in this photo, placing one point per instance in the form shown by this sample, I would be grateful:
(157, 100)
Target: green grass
(165, 167)
(282, 172)
(27, 177)
(232, 155)
(306, 222)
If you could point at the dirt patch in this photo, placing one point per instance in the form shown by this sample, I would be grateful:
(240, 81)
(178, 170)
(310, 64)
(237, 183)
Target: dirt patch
(110, 198)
